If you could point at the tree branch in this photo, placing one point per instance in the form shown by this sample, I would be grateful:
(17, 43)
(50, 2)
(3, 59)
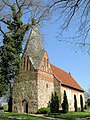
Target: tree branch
(17, 4)
(2, 20)
(2, 31)
(8, 4)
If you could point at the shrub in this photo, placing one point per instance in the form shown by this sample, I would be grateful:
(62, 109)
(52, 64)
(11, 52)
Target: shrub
(65, 103)
(43, 110)
(54, 103)
(85, 107)
(88, 102)
(81, 103)
(75, 103)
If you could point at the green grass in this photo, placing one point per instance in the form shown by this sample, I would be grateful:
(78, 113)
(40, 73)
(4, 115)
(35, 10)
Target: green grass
(69, 116)
(23, 116)
(73, 115)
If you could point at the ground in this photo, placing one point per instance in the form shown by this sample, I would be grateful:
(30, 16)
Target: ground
(68, 116)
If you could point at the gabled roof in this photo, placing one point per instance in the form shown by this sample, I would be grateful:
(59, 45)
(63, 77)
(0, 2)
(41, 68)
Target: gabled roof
(65, 78)
(34, 48)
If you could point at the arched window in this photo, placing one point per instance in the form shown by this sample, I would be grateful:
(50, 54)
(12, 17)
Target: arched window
(44, 62)
(27, 64)
(47, 63)
(46, 85)
(30, 65)
(24, 64)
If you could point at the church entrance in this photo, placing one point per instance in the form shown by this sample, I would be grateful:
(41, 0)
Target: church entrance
(24, 106)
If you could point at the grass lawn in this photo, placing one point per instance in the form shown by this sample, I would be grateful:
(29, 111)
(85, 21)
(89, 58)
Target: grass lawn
(73, 115)
(69, 116)
(23, 116)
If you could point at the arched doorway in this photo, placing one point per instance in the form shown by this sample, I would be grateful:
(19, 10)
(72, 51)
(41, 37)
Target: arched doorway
(24, 106)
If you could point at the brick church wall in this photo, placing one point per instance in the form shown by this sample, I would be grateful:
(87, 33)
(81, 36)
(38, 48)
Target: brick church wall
(45, 88)
(45, 82)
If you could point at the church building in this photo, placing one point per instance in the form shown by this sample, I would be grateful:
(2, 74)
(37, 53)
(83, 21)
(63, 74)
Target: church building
(38, 79)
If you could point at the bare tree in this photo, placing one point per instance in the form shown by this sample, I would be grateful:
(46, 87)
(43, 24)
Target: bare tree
(75, 12)
(70, 11)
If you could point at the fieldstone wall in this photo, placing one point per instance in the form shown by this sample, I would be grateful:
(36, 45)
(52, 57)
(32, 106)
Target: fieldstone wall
(25, 88)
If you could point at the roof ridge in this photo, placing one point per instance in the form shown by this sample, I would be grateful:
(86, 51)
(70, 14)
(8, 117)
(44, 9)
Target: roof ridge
(60, 69)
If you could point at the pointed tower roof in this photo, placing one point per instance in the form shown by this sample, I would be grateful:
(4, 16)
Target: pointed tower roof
(34, 47)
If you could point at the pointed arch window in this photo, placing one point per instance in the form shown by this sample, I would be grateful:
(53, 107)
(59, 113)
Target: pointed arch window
(47, 63)
(27, 64)
(24, 64)
(44, 62)
(46, 85)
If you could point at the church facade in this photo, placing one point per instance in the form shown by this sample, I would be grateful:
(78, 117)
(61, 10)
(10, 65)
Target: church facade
(38, 79)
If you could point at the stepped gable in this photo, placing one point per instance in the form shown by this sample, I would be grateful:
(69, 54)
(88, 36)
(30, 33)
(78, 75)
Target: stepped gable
(34, 48)
(65, 78)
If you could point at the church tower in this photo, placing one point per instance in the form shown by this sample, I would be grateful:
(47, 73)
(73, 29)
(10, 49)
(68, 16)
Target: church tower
(34, 85)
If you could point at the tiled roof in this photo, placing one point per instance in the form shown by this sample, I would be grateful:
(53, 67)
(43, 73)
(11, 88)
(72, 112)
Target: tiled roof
(65, 78)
